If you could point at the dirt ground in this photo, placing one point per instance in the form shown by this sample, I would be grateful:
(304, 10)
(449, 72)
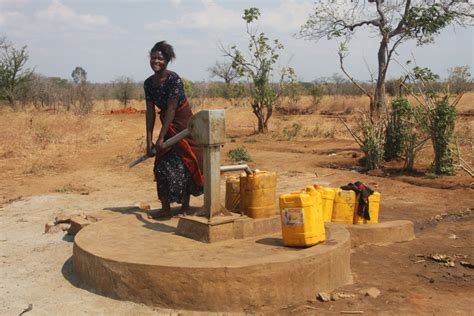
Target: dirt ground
(86, 171)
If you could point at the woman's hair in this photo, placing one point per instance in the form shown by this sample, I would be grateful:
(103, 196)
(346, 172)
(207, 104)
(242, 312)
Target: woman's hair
(165, 48)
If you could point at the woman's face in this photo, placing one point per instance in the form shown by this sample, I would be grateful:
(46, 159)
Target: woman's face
(158, 62)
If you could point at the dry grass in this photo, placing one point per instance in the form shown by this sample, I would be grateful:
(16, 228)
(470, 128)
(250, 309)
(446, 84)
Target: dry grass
(36, 142)
(41, 143)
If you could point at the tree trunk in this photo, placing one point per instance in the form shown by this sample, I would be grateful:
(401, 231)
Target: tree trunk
(257, 110)
(379, 96)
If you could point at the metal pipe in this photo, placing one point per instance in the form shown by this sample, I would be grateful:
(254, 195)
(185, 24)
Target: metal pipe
(246, 168)
(176, 138)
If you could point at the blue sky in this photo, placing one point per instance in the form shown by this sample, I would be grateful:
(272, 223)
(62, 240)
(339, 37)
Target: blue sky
(111, 38)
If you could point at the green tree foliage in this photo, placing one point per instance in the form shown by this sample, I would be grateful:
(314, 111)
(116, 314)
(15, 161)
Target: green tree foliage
(393, 23)
(14, 77)
(437, 117)
(258, 68)
(404, 135)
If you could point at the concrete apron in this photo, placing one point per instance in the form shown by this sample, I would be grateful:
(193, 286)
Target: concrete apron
(145, 261)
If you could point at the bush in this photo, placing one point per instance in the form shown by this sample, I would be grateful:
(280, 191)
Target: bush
(397, 128)
(239, 154)
(292, 132)
(442, 121)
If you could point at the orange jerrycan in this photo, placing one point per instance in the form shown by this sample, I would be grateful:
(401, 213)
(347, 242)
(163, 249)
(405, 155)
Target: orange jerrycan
(301, 218)
(232, 193)
(374, 206)
(327, 201)
(258, 194)
(344, 207)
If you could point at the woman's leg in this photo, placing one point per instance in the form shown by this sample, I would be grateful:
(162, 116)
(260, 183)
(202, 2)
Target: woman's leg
(185, 205)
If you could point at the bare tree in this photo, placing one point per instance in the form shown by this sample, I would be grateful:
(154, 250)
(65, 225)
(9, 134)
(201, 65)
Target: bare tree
(124, 88)
(223, 70)
(14, 77)
(82, 91)
(393, 22)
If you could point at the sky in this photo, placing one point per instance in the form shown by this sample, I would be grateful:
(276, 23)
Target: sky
(112, 38)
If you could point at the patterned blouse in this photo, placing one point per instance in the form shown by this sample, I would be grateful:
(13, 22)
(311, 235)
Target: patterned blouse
(159, 94)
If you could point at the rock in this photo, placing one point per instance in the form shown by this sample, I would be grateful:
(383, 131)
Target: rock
(64, 226)
(51, 228)
(373, 292)
(452, 236)
(334, 296)
(66, 217)
(467, 264)
(77, 223)
(324, 297)
(144, 206)
(345, 295)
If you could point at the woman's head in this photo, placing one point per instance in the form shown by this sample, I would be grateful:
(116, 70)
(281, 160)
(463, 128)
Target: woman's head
(165, 49)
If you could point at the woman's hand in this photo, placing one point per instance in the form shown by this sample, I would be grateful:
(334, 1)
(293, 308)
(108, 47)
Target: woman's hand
(159, 143)
(150, 150)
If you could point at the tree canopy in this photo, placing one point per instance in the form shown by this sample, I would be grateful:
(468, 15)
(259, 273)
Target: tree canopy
(392, 21)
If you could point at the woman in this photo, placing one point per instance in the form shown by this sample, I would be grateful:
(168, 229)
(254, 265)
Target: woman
(178, 169)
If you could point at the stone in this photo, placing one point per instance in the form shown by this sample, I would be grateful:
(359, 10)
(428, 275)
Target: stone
(51, 228)
(373, 292)
(77, 223)
(64, 226)
(144, 206)
(345, 295)
(324, 297)
(335, 296)
(66, 217)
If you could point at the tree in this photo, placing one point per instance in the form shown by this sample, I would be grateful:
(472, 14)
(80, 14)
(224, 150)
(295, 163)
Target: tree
(393, 22)
(124, 89)
(79, 75)
(14, 77)
(82, 91)
(223, 70)
(459, 80)
(258, 68)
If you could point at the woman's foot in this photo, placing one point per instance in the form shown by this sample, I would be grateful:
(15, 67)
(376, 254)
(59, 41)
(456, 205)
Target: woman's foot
(185, 206)
(160, 214)
(164, 212)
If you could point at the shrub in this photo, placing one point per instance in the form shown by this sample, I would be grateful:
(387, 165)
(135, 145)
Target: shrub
(239, 154)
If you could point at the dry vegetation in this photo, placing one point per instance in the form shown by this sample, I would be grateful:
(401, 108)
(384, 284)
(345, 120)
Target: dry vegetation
(38, 143)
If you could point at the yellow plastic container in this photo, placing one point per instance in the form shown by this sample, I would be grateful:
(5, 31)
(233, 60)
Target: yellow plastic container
(302, 218)
(327, 201)
(258, 194)
(232, 194)
(344, 206)
(374, 206)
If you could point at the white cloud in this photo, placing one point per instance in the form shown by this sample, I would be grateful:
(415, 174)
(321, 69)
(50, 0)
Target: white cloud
(211, 16)
(289, 16)
(12, 3)
(57, 12)
(9, 17)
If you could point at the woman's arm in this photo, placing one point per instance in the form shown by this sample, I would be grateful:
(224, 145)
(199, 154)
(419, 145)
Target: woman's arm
(150, 124)
(169, 116)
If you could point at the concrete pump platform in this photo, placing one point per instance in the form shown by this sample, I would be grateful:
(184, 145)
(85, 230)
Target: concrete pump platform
(141, 260)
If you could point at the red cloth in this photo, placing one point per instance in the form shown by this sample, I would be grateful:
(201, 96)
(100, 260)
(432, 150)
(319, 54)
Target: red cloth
(189, 151)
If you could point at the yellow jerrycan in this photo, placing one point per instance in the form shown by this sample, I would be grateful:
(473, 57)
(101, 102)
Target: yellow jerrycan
(232, 194)
(374, 206)
(258, 194)
(344, 207)
(327, 201)
(301, 218)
